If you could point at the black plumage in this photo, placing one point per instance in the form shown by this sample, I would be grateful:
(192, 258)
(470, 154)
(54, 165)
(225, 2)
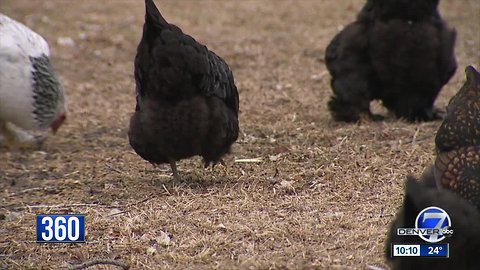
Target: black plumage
(187, 101)
(398, 51)
(457, 166)
(464, 242)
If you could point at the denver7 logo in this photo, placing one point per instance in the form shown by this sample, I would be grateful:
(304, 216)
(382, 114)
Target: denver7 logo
(436, 220)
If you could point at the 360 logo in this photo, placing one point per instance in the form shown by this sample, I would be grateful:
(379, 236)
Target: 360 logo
(432, 225)
(60, 228)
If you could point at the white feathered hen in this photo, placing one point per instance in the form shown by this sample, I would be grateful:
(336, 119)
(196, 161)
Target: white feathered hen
(31, 96)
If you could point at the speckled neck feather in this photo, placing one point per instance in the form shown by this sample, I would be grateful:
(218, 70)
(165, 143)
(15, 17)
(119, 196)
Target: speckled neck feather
(46, 90)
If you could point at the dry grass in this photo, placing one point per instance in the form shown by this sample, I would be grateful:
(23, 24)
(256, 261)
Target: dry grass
(321, 197)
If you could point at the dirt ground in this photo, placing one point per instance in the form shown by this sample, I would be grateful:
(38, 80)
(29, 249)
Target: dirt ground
(315, 195)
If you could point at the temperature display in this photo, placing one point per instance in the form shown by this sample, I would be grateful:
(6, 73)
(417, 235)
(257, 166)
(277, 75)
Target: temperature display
(434, 250)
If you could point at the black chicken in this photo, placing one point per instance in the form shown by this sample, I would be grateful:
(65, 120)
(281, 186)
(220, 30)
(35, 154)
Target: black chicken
(457, 167)
(187, 101)
(464, 242)
(398, 51)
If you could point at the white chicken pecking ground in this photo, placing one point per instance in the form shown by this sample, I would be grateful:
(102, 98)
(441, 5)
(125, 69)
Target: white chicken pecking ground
(31, 96)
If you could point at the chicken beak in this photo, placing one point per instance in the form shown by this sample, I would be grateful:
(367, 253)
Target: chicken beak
(57, 123)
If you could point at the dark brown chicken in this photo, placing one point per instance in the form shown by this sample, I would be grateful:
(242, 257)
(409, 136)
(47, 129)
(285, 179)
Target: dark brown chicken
(187, 101)
(398, 51)
(452, 184)
(464, 242)
(457, 167)
(461, 126)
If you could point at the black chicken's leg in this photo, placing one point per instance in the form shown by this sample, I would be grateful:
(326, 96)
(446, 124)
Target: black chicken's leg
(173, 165)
